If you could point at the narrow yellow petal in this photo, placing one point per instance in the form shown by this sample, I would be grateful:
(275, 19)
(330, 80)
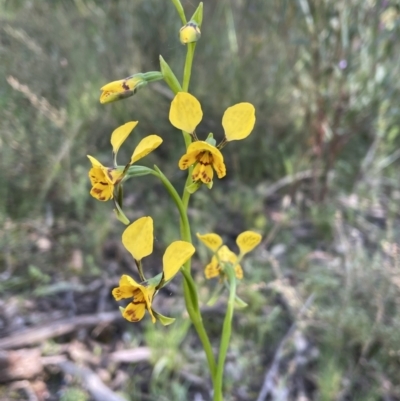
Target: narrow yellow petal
(146, 145)
(175, 256)
(128, 281)
(238, 121)
(238, 272)
(212, 269)
(247, 241)
(94, 161)
(185, 112)
(219, 167)
(211, 240)
(138, 238)
(121, 133)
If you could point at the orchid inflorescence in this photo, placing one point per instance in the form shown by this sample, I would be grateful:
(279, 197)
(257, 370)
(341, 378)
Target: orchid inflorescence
(201, 158)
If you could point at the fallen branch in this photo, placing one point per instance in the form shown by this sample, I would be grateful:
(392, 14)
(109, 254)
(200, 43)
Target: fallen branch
(89, 380)
(36, 335)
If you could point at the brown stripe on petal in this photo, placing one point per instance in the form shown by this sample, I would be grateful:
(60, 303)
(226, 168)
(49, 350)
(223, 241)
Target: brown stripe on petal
(131, 315)
(205, 164)
(206, 178)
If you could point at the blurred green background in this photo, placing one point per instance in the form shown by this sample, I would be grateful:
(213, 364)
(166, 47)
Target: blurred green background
(318, 177)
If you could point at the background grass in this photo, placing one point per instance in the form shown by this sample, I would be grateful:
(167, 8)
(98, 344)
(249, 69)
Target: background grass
(318, 178)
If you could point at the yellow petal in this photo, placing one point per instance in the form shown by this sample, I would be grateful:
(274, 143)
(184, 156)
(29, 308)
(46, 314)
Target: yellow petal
(185, 112)
(211, 240)
(238, 121)
(134, 312)
(226, 255)
(238, 272)
(102, 191)
(175, 256)
(146, 145)
(247, 241)
(203, 172)
(212, 269)
(219, 167)
(138, 238)
(188, 159)
(126, 289)
(121, 133)
(94, 161)
(96, 175)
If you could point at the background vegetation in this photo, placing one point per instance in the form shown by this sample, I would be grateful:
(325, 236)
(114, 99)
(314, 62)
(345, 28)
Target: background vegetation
(318, 178)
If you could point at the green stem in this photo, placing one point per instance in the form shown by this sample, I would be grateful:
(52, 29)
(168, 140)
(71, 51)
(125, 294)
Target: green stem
(179, 8)
(226, 334)
(195, 316)
(189, 287)
(185, 226)
(187, 71)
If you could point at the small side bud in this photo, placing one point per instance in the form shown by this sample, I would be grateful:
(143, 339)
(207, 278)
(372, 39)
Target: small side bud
(189, 33)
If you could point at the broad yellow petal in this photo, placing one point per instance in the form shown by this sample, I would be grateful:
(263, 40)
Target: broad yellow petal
(212, 269)
(175, 256)
(203, 172)
(102, 191)
(188, 159)
(96, 175)
(126, 289)
(185, 112)
(121, 133)
(238, 121)
(201, 146)
(146, 145)
(134, 312)
(211, 240)
(138, 238)
(247, 241)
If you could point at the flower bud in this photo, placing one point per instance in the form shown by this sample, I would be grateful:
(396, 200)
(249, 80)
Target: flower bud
(189, 33)
(121, 89)
(127, 87)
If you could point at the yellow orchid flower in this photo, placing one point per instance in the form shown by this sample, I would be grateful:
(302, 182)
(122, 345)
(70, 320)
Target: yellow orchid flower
(104, 179)
(186, 114)
(224, 255)
(206, 157)
(142, 298)
(138, 240)
(246, 242)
